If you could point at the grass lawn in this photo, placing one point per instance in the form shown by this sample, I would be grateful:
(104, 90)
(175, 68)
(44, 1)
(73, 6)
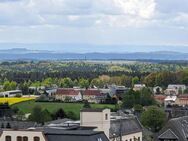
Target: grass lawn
(27, 106)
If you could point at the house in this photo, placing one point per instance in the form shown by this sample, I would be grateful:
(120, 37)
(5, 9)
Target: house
(170, 100)
(118, 91)
(182, 100)
(126, 128)
(160, 98)
(99, 118)
(51, 91)
(12, 93)
(175, 89)
(115, 127)
(138, 87)
(174, 130)
(176, 111)
(68, 93)
(157, 90)
(177, 86)
(51, 134)
(93, 95)
(171, 92)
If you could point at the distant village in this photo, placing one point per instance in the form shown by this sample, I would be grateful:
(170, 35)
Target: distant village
(100, 124)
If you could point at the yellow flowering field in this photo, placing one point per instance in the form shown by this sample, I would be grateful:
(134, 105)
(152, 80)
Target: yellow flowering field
(15, 100)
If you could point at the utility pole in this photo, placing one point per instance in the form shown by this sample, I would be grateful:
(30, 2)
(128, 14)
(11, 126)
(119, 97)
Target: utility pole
(120, 129)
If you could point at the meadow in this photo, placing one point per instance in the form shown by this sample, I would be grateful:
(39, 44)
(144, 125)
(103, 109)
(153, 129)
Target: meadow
(26, 107)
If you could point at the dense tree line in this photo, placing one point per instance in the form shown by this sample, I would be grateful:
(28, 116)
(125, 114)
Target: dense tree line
(143, 98)
(23, 74)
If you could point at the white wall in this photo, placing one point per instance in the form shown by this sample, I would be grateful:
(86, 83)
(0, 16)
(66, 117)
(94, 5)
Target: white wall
(96, 119)
(15, 133)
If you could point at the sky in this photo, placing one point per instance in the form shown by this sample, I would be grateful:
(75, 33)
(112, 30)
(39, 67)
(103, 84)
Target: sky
(94, 22)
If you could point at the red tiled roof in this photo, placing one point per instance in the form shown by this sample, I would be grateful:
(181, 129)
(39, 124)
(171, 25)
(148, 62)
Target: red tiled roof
(160, 97)
(91, 92)
(64, 91)
(183, 96)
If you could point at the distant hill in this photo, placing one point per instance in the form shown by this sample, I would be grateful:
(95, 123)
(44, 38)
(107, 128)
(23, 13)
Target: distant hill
(22, 53)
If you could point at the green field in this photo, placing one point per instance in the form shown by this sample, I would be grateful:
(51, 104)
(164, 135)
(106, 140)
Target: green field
(27, 106)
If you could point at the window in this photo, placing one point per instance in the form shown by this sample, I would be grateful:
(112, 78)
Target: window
(19, 138)
(8, 138)
(106, 116)
(138, 138)
(36, 139)
(130, 139)
(25, 138)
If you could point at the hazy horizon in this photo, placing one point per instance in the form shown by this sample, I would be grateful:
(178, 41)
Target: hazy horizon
(87, 48)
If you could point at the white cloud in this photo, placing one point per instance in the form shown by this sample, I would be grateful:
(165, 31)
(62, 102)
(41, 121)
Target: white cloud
(153, 16)
(141, 8)
(43, 11)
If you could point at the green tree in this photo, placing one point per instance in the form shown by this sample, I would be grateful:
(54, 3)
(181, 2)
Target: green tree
(66, 83)
(153, 118)
(135, 80)
(36, 114)
(36, 84)
(71, 115)
(126, 80)
(150, 80)
(13, 85)
(129, 99)
(116, 80)
(185, 91)
(7, 86)
(47, 82)
(138, 108)
(24, 87)
(97, 82)
(60, 114)
(83, 83)
(86, 104)
(146, 97)
(46, 116)
(143, 97)
(40, 116)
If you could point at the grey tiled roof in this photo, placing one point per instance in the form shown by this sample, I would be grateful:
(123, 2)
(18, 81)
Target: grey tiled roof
(58, 121)
(179, 128)
(127, 126)
(18, 124)
(168, 134)
(74, 135)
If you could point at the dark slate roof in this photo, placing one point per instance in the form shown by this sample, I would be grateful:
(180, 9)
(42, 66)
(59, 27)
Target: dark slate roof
(127, 126)
(74, 135)
(92, 110)
(59, 121)
(168, 134)
(178, 126)
(18, 124)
